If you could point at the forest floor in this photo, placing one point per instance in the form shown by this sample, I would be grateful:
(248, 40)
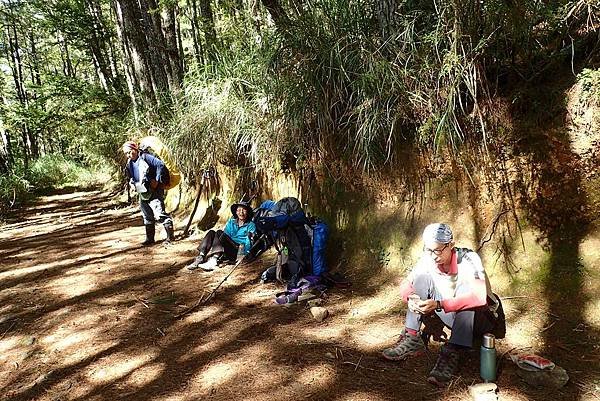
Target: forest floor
(88, 314)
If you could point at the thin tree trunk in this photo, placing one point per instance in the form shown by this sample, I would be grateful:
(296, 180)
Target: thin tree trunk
(198, 52)
(35, 64)
(157, 46)
(65, 56)
(208, 25)
(182, 65)
(386, 11)
(278, 14)
(6, 159)
(17, 74)
(134, 41)
(97, 47)
(169, 29)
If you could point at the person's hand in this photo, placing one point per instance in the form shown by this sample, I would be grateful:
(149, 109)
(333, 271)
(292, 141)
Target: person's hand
(426, 306)
(413, 301)
(153, 184)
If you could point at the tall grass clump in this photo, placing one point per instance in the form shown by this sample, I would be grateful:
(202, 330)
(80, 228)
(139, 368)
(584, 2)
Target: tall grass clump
(45, 174)
(220, 116)
(360, 81)
(56, 171)
(353, 82)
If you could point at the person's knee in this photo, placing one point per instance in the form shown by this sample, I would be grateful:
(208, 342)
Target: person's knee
(423, 285)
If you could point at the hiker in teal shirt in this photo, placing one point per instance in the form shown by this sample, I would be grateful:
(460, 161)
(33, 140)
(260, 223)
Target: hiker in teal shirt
(240, 234)
(224, 245)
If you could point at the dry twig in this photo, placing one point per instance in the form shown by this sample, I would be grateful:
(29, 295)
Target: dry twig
(7, 330)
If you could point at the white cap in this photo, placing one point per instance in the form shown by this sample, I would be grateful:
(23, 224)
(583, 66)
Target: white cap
(438, 232)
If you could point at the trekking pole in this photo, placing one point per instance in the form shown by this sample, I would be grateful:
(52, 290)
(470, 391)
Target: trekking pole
(189, 223)
(203, 299)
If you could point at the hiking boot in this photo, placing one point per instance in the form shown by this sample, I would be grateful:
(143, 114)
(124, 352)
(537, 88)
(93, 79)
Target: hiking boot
(149, 235)
(445, 367)
(196, 263)
(407, 346)
(170, 232)
(210, 264)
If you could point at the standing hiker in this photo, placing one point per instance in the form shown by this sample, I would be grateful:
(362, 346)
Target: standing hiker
(447, 284)
(224, 245)
(148, 175)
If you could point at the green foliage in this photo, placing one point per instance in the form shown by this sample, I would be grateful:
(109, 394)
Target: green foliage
(46, 173)
(14, 190)
(220, 115)
(55, 171)
(590, 86)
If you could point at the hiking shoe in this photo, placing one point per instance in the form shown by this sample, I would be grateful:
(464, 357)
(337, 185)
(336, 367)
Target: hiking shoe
(445, 367)
(196, 263)
(407, 346)
(210, 264)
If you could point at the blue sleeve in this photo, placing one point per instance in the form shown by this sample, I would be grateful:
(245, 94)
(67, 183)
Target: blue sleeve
(159, 168)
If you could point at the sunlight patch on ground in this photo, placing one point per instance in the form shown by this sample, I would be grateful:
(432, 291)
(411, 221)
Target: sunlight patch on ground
(318, 375)
(504, 394)
(319, 332)
(65, 339)
(359, 396)
(145, 374)
(117, 366)
(255, 297)
(589, 251)
(590, 314)
(38, 267)
(203, 313)
(241, 363)
(10, 344)
(376, 335)
(77, 339)
(370, 307)
(72, 286)
(219, 373)
(524, 330)
(212, 339)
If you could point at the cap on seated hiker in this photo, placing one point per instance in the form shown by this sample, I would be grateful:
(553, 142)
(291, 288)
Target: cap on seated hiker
(438, 232)
(130, 145)
(245, 205)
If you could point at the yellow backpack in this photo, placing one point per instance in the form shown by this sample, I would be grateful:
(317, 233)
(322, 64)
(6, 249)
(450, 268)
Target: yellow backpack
(156, 147)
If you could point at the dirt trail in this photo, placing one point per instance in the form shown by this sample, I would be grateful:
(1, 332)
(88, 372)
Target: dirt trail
(87, 314)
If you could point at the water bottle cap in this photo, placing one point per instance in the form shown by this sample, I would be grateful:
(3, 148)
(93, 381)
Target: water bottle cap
(489, 340)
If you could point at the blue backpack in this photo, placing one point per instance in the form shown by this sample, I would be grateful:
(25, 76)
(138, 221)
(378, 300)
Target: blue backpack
(300, 241)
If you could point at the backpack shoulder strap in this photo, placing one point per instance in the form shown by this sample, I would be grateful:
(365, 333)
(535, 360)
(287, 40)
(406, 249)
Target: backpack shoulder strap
(460, 253)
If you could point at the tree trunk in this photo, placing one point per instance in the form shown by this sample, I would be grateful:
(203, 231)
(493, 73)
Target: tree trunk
(65, 56)
(386, 11)
(15, 64)
(131, 29)
(35, 64)
(278, 14)
(208, 25)
(6, 159)
(157, 46)
(182, 65)
(198, 52)
(97, 46)
(132, 84)
(169, 29)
